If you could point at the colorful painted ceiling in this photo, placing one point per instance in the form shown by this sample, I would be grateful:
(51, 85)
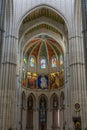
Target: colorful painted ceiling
(43, 46)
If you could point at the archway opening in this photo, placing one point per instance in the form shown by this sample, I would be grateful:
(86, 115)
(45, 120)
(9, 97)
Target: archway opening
(42, 52)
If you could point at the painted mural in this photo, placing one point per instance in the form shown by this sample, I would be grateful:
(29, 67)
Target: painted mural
(32, 80)
(54, 80)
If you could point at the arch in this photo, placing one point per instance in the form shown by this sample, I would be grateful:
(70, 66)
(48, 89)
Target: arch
(46, 98)
(30, 102)
(46, 6)
(34, 99)
(50, 34)
(30, 60)
(46, 22)
(54, 61)
(51, 100)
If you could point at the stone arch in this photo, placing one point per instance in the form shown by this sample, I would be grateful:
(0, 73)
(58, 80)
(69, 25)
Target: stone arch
(47, 6)
(34, 99)
(51, 34)
(51, 100)
(44, 96)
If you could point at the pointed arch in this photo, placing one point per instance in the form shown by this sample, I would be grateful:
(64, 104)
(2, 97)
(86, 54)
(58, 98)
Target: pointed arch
(45, 97)
(33, 98)
(52, 98)
(46, 6)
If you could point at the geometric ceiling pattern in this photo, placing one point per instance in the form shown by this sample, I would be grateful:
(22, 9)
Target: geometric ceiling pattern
(43, 46)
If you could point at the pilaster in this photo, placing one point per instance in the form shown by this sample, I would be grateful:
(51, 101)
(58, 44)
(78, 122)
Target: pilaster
(77, 77)
(8, 84)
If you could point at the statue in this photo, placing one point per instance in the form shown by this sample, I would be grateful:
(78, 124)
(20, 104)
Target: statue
(43, 83)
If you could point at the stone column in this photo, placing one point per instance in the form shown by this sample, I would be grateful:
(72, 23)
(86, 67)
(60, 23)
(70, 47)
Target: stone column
(77, 75)
(77, 68)
(8, 85)
(2, 16)
(8, 74)
(84, 20)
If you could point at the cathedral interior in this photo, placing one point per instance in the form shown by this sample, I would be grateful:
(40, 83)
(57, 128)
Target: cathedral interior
(43, 65)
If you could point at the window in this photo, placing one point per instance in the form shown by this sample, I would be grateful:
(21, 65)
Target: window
(32, 61)
(54, 62)
(43, 64)
(61, 59)
(25, 59)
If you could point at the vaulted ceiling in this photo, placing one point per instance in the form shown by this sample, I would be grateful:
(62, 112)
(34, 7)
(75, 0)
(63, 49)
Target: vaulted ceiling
(43, 46)
(43, 11)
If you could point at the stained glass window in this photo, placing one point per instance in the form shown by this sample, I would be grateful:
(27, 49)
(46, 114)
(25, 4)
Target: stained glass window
(32, 62)
(25, 59)
(61, 59)
(54, 62)
(43, 64)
